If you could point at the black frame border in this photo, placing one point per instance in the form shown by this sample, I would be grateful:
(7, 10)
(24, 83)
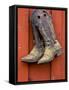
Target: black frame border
(14, 63)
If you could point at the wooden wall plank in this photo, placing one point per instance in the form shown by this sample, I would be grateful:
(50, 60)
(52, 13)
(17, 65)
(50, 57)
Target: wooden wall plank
(58, 64)
(37, 72)
(34, 72)
(22, 43)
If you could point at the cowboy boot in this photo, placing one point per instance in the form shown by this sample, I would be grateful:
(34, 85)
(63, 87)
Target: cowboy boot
(34, 55)
(50, 53)
(38, 49)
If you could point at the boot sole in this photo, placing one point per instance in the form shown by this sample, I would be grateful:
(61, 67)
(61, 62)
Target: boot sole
(29, 61)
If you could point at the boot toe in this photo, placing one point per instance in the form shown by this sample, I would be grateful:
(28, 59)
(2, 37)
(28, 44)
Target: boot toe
(29, 59)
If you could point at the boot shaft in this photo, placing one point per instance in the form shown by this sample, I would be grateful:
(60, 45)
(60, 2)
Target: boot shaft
(43, 21)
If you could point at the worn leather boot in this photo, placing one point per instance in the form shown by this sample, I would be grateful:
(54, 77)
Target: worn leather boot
(34, 55)
(50, 53)
(38, 49)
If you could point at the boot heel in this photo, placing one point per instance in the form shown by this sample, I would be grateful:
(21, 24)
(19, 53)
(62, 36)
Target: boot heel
(59, 52)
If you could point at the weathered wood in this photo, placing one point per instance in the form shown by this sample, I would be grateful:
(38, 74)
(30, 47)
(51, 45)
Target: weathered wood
(58, 64)
(23, 31)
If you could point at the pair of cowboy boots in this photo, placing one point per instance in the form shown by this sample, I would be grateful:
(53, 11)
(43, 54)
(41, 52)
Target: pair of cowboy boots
(46, 44)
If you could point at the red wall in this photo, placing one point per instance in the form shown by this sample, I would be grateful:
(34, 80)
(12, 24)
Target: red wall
(54, 70)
